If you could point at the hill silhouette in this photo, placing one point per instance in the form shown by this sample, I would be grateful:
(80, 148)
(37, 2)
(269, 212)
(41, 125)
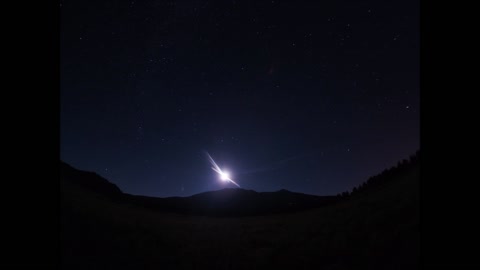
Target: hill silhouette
(87, 180)
(225, 202)
(375, 226)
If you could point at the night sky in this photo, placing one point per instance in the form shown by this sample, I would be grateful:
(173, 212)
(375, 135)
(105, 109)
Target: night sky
(309, 96)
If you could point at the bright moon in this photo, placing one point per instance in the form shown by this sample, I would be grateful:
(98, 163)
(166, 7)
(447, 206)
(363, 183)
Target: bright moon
(224, 176)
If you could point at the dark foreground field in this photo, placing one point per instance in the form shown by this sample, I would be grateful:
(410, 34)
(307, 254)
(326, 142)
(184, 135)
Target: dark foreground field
(377, 228)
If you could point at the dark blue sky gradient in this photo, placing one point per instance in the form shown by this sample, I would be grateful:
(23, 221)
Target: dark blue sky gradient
(309, 96)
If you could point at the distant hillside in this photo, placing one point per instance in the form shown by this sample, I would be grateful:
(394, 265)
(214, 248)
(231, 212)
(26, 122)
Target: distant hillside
(403, 167)
(225, 202)
(234, 202)
(87, 180)
(376, 227)
(231, 201)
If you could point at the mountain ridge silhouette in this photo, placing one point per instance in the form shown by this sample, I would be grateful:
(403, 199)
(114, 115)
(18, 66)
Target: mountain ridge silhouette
(223, 202)
(376, 226)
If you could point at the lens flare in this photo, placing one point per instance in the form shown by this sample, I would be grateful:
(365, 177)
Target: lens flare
(224, 176)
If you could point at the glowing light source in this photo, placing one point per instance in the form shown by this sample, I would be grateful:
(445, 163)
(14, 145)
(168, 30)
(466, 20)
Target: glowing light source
(224, 176)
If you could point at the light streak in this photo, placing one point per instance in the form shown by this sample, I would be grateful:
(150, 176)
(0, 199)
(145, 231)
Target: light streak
(224, 175)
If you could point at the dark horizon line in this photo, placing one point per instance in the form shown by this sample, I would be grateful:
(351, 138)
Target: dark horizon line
(416, 154)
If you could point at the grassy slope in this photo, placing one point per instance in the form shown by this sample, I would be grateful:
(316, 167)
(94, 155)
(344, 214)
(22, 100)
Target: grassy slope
(375, 230)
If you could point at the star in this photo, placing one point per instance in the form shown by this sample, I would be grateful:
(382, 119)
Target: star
(180, 63)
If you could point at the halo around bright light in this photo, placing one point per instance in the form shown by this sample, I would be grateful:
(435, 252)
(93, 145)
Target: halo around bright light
(225, 176)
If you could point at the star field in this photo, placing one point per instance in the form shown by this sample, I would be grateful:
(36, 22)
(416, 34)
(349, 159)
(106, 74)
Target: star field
(298, 95)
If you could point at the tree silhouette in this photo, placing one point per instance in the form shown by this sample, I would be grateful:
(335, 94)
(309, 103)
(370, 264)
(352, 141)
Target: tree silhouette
(385, 176)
